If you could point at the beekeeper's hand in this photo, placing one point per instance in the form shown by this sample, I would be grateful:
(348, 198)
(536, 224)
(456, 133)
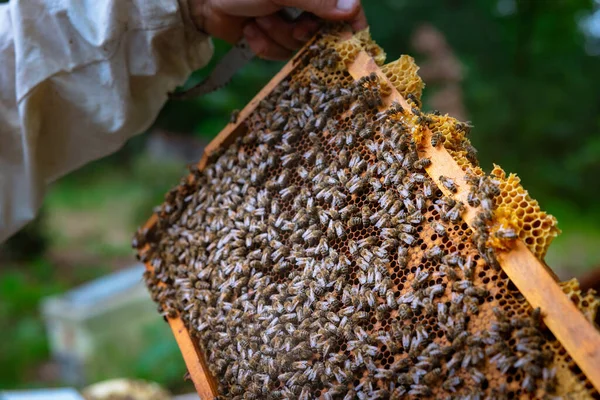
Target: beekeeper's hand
(269, 35)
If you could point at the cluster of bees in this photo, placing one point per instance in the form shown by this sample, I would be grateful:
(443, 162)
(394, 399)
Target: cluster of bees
(315, 258)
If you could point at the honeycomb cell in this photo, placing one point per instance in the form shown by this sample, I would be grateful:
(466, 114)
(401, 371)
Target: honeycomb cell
(587, 302)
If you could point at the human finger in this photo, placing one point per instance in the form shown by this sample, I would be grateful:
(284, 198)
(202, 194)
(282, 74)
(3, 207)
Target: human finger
(280, 31)
(247, 8)
(210, 18)
(359, 22)
(326, 9)
(262, 45)
(305, 28)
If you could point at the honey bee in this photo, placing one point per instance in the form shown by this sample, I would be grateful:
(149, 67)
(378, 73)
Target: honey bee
(432, 376)
(501, 327)
(487, 204)
(419, 390)
(489, 187)
(448, 271)
(455, 213)
(395, 208)
(354, 221)
(448, 183)
(500, 314)
(476, 292)
(288, 192)
(435, 253)
(428, 190)
(472, 304)
(352, 247)
(478, 377)
(452, 383)
(420, 278)
(402, 256)
(438, 228)
(506, 233)
(456, 359)
(234, 116)
(406, 238)
(526, 331)
(415, 218)
(356, 184)
(536, 317)
(435, 290)
(366, 132)
(417, 177)
(473, 197)
(422, 163)
(528, 384)
(412, 99)
(461, 286)
(360, 316)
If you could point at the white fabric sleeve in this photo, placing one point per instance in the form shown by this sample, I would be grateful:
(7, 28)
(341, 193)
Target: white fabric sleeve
(77, 79)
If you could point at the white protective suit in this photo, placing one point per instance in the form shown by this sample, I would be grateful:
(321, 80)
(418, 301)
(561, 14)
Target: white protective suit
(77, 79)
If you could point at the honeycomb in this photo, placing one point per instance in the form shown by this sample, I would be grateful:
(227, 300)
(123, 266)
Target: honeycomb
(403, 75)
(535, 227)
(587, 302)
(349, 49)
(314, 257)
(451, 133)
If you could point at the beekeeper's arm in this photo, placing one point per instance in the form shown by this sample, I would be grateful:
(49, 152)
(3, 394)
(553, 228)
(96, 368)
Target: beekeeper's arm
(78, 78)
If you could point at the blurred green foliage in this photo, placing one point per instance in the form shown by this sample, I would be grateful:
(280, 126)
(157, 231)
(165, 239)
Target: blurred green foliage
(24, 345)
(530, 87)
(98, 190)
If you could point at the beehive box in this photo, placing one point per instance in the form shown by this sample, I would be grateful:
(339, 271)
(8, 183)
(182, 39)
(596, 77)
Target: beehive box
(100, 329)
(336, 241)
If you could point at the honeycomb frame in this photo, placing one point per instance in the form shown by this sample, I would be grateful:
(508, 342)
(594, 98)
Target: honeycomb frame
(361, 66)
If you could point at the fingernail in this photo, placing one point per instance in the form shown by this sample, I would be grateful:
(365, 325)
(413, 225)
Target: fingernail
(345, 5)
(251, 31)
(264, 22)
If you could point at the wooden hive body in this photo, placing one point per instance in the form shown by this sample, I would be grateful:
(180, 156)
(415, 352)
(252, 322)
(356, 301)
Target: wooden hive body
(523, 283)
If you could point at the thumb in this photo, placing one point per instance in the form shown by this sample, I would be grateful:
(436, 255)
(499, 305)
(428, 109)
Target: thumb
(326, 9)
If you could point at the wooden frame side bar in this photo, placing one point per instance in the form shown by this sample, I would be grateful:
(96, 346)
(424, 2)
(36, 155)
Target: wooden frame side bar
(203, 381)
(205, 384)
